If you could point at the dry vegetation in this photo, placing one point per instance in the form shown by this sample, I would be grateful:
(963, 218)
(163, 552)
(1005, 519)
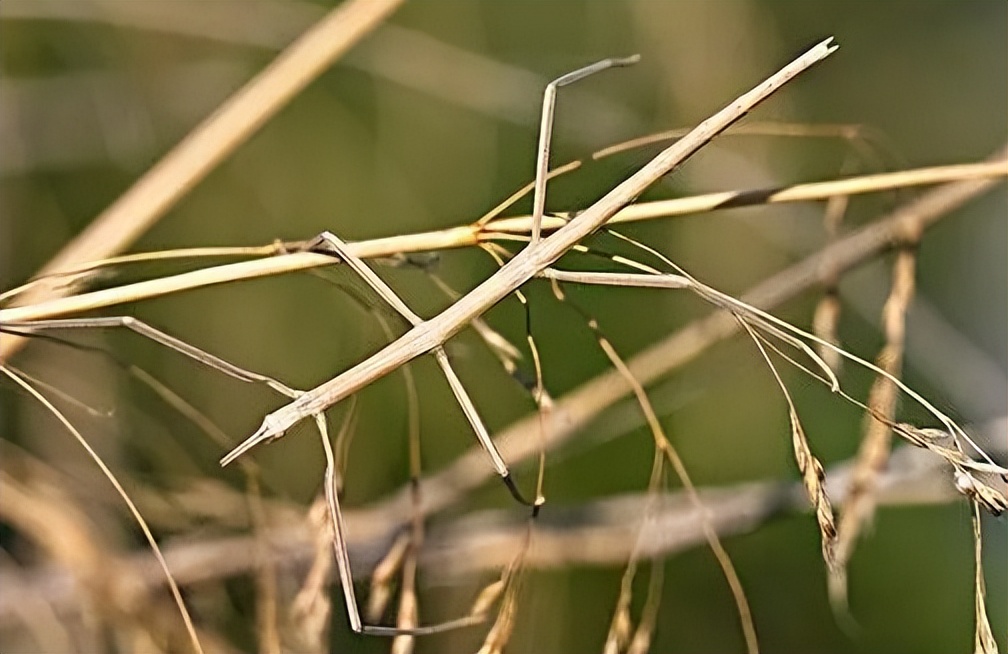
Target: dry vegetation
(182, 556)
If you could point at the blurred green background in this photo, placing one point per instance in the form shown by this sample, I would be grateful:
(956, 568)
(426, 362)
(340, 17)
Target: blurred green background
(432, 121)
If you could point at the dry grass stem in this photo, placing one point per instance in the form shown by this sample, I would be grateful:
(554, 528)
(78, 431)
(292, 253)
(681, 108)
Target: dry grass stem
(311, 608)
(384, 576)
(826, 317)
(983, 639)
(825, 321)
(137, 517)
(641, 641)
(277, 263)
(875, 447)
(267, 602)
(968, 472)
(859, 135)
(408, 616)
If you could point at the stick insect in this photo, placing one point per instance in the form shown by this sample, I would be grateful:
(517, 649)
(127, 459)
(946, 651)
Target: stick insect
(537, 258)
(429, 336)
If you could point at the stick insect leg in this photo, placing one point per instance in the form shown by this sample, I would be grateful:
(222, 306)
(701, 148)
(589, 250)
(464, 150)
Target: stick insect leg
(331, 242)
(342, 556)
(462, 396)
(539, 202)
(546, 132)
(158, 336)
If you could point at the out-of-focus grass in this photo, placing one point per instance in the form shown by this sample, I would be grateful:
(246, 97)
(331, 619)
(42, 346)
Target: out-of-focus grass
(389, 141)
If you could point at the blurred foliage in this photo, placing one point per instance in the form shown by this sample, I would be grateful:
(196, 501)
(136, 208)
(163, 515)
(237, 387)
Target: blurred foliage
(391, 141)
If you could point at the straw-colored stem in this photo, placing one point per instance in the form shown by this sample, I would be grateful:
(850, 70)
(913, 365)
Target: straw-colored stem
(467, 236)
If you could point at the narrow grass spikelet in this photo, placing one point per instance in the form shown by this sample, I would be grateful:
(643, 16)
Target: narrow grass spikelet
(811, 469)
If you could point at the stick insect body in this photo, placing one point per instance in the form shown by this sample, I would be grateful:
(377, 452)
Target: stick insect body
(429, 336)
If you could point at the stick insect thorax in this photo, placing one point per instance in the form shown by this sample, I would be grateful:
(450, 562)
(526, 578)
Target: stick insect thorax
(531, 261)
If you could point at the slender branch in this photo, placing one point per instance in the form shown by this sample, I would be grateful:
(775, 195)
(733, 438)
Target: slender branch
(468, 236)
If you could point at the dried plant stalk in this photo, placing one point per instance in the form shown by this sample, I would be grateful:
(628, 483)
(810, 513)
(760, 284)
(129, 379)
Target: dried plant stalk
(275, 262)
(873, 453)
(311, 609)
(983, 639)
(825, 324)
(134, 511)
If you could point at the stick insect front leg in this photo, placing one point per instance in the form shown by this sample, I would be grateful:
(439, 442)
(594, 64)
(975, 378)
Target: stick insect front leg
(158, 336)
